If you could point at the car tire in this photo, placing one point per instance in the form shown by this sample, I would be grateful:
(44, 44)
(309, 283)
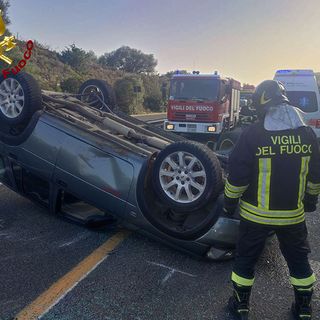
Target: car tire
(186, 175)
(227, 141)
(90, 88)
(20, 98)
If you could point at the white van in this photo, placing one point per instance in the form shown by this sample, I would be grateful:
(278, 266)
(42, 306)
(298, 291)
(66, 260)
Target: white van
(303, 92)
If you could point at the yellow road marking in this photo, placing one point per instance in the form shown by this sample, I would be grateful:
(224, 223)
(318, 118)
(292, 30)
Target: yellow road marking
(60, 288)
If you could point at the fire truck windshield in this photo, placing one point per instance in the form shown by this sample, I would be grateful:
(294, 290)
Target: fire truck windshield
(194, 89)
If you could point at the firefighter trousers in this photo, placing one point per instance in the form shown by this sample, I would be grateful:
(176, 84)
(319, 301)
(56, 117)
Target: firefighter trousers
(293, 244)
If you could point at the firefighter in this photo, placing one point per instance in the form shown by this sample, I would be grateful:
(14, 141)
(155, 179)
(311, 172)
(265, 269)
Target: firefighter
(274, 175)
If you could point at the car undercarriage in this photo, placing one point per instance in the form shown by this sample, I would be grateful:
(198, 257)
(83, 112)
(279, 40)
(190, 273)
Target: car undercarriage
(91, 164)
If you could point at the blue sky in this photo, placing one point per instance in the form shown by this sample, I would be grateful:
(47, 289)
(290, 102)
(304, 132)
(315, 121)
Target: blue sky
(244, 39)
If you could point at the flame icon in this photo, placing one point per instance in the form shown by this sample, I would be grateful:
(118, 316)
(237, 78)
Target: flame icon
(2, 25)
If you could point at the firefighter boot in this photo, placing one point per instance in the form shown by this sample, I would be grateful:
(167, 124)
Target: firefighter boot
(239, 302)
(301, 308)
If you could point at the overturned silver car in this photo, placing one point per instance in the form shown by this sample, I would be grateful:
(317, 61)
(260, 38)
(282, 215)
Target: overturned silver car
(87, 164)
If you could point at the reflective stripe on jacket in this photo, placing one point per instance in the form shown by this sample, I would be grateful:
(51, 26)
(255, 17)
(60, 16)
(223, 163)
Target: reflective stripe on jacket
(271, 171)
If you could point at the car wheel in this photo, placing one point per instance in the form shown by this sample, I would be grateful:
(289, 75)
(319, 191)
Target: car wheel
(20, 98)
(97, 93)
(227, 141)
(186, 175)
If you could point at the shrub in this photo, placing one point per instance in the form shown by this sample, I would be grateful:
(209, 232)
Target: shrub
(130, 93)
(71, 85)
(153, 102)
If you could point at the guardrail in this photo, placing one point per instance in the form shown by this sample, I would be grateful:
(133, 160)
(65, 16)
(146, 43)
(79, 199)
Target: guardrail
(156, 122)
(156, 119)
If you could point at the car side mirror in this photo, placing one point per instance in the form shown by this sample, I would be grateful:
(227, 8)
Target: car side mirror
(223, 99)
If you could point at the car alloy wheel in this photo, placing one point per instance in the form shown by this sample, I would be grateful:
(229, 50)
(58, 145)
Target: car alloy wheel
(11, 98)
(92, 94)
(182, 177)
(186, 175)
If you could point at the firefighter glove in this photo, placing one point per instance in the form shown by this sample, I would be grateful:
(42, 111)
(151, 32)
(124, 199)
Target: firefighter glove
(230, 206)
(310, 202)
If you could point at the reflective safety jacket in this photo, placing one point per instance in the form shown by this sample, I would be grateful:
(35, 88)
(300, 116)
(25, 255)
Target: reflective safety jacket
(271, 171)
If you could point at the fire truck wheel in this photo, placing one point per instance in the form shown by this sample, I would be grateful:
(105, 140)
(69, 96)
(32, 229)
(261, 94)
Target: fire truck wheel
(186, 175)
(227, 141)
(20, 98)
(98, 93)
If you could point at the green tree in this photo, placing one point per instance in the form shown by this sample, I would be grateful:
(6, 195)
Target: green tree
(91, 57)
(171, 73)
(70, 85)
(4, 6)
(153, 102)
(130, 94)
(153, 96)
(129, 60)
(76, 57)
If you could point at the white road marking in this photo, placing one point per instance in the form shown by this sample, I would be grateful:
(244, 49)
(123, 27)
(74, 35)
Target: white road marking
(167, 277)
(76, 239)
(171, 272)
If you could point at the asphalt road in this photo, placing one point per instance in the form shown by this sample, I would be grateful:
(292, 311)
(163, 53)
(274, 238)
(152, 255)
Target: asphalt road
(140, 280)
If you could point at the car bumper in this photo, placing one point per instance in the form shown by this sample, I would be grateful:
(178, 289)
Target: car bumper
(193, 127)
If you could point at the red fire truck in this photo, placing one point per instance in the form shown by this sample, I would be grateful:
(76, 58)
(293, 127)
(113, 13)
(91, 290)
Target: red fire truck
(205, 104)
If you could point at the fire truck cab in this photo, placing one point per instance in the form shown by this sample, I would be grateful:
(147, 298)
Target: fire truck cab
(202, 104)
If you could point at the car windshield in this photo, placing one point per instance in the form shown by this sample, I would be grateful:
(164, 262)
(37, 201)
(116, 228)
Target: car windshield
(194, 89)
(305, 100)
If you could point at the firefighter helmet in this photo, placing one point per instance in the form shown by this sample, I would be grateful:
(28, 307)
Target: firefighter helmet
(269, 93)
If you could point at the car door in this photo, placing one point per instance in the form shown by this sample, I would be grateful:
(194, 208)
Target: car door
(98, 177)
(28, 168)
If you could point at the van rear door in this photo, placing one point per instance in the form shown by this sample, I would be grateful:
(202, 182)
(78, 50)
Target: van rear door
(303, 92)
